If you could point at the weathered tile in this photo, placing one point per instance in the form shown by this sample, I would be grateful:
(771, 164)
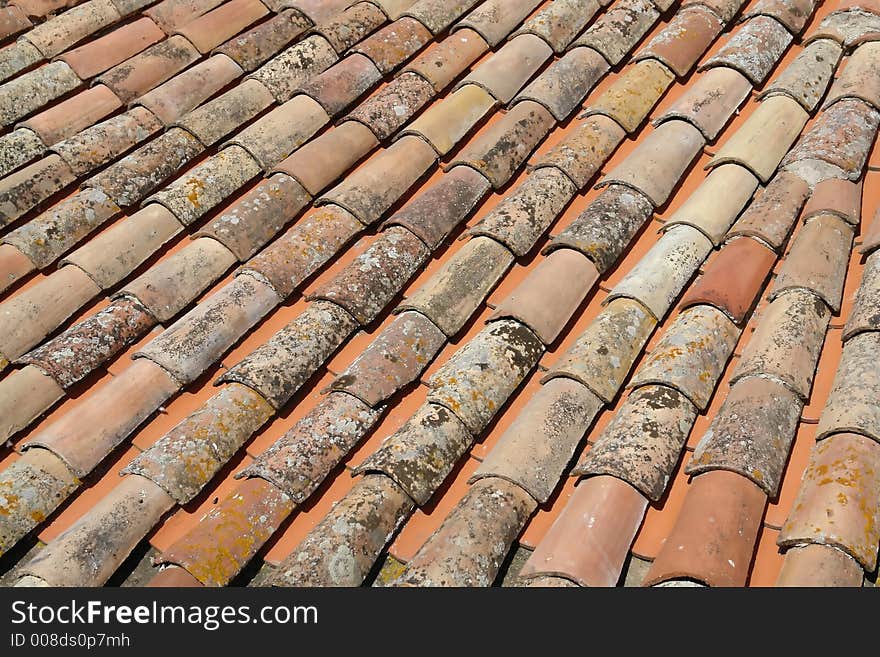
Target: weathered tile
(59, 33)
(438, 209)
(49, 235)
(115, 253)
(495, 19)
(714, 537)
(282, 74)
(17, 148)
(794, 14)
(559, 22)
(506, 71)
(787, 342)
(216, 26)
(371, 190)
(189, 89)
(710, 100)
(733, 280)
(765, 137)
(477, 380)
(25, 395)
(838, 197)
(472, 543)
(315, 10)
(630, 99)
(807, 78)
(191, 344)
(249, 223)
(17, 57)
(817, 261)
(691, 354)
(173, 283)
(441, 64)
(376, 276)
(865, 315)
(837, 500)
(393, 360)
(172, 14)
(603, 355)
(859, 78)
(846, 27)
(437, 15)
(715, 204)
(619, 29)
(342, 84)
(107, 140)
(841, 136)
(252, 48)
(643, 442)
(299, 461)
(524, 215)
(394, 44)
(535, 450)
(814, 171)
(661, 275)
(590, 540)
(458, 288)
(421, 454)
(819, 565)
(357, 527)
(681, 43)
(307, 245)
(350, 25)
(658, 161)
(84, 437)
(279, 367)
(113, 48)
(500, 150)
(324, 159)
(27, 188)
(226, 113)
(132, 178)
(393, 105)
(445, 123)
(78, 112)
(752, 434)
(71, 356)
(541, 303)
(871, 237)
(754, 49)
(226, 538)
(852, 402)
(12, 21)
(772, 213)
(128, 7)
(188, 456)
(605, 228)
(584, 150)
(31, 91)
(565, 83)
(271, 138)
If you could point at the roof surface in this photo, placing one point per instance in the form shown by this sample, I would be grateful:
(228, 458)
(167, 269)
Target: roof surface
(432, 292)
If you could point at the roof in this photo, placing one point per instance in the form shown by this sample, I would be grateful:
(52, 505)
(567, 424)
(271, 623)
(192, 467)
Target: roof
(425, 293)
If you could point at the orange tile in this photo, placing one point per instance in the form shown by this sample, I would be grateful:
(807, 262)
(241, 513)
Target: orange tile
(428, 518)
(307, 516)
(121, 362)
(8, 458)
(829, 360)
(777, 510)
(88, 496)
(705, 419)
(583, 317)
(509, 413)
(184, 518)
(768, 560)
(850, 287)
(661, 517)
(260, 334)
(693, 178)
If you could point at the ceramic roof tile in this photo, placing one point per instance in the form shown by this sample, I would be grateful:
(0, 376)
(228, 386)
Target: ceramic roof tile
(437, 15)
(12, 21)
(619, 29)
(565, 83)
(495, 19)
(107, 51)
(254, 47)
(681, 43)
(808, 76)
(27, 188)
(846, 27)
(865, 315)
(819, 565)
(73, 115)
(726, 9)
(185, 91)
(447, 122)
(794, 14)
(60, 32)
(505, 72)
(754, 49)
(315, 10)
(216, 26)
(27, 393)
(443, 62)
(171, 14)
(393, 105)
(282, 74)
(394, 44)
(17, 57)
(771, 216)
(841, 198)
(858, 78)
(227, 112)
(633, 95)
(33, 90)
(560, 21)
(351, 25)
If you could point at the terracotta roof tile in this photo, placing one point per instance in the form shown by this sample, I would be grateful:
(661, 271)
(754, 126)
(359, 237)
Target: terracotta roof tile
(171, 14)
(858, 80)
(60, 32)
(807, 77)
(819, 565)
(443, 62)
(254, 47)
(350, 25)
(774, 211)
(394, 44)
(841, 198)
(315, 10)
(505, 72)
(848, 407)
(446, 123)
(105, 52)
(393, 105)
(216, 26)
(726, 9)
(586, 148)
(846, 27)
(17, 57)
(619, 29)
(754, 49)
(12, 21)
(29, 187)
(437, 15)
(633, 95)
(794, 14)
(865, 316)
(73, 115)
(681, 43)
(33, 90)
(19, 147)
(714, 537)
(560, 21)
(282, 74)
(495, 19)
